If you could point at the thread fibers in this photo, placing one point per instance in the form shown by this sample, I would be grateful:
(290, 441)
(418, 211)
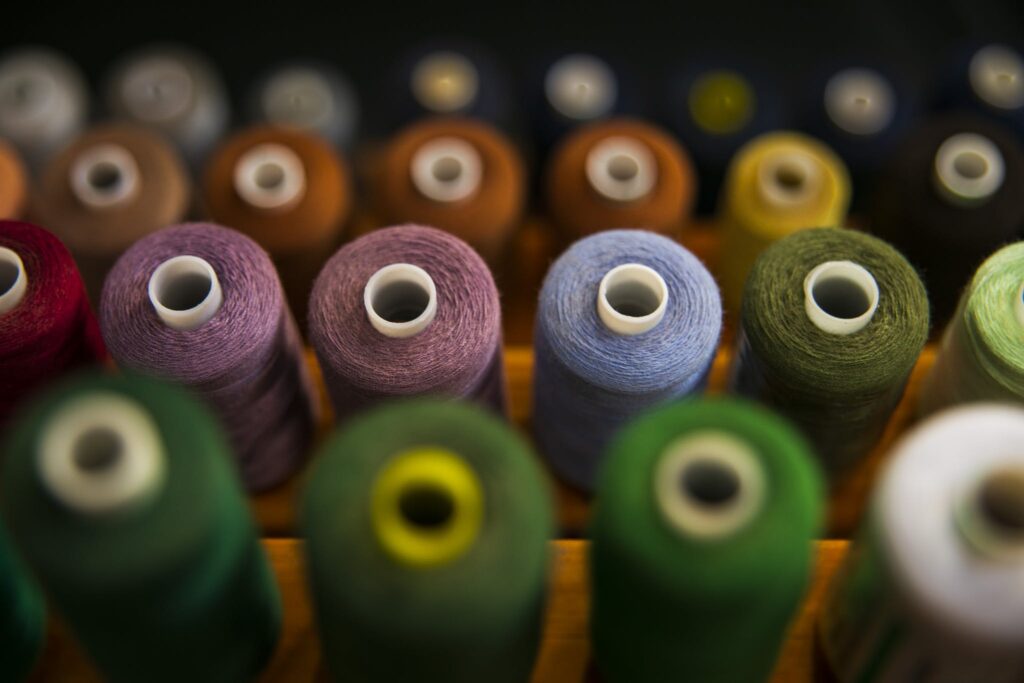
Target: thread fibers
(588, 380)
(22, 616)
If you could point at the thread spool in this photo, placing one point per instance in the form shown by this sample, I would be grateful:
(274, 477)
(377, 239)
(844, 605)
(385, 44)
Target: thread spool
(289, 191)
(932, 584)
(833, 321)
(22, 616)
(626, 320)
(201, 305)
(715, 106)
(442, 505)
(174, 90)
(777, 184)
(620, 173)
(948, 200)
(13, 183)
(168, 580)
(310, 96)
(44, 102)
(980, 358)
(458, 175)
(987, 79)
(47, 327)
(110, 187)
(701, 504)
(453, 352)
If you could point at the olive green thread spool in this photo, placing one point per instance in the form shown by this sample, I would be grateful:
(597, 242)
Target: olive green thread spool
(121, 497)
(833, 321)
(22, 616)
(701, 549)
(427, 525)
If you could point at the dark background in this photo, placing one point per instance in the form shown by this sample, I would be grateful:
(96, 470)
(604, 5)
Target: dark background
(364, 38)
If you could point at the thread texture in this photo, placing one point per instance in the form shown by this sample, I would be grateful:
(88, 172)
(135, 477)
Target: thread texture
(458, 355)
(53, 329)
(669, 606)
(588, 381)
(22, 616)
(176, 588)
(475, 618)
(982, 358)
(839, 389)
(246, 362)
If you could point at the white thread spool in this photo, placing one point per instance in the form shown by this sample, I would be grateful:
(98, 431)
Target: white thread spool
(709, 484)
(632, 299)
(860, 101)
(445, 82)
(310, 98)
(185, 292)
(621, 169)
(447, 170)
(270, 177)
(840, 297)
(13, 280)
(105, 177)
(581, 87)
(996, 73)
(400, 300)
(787, 179)
(969, 169)
(101, 454)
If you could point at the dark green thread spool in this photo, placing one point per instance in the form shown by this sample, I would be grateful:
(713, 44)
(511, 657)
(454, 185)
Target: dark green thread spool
(22, 617)
(701, 544)
(427, 526)
(120, 495)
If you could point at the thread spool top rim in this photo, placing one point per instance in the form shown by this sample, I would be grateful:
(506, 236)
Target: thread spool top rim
(445, 82)
(968, 169)
(628, 288)
(840, 297)
(581, 87)
(13, 280)
(298, 96)
(860, 101)
(427, 507)
(709, 485)
(621, 169)
(447, 169)
(990, 514)
(789, 178)
(400, 286)
(158, 89)
(176, 292)
(105, 176)
(270, 177)
(996, 75)
(101, 454)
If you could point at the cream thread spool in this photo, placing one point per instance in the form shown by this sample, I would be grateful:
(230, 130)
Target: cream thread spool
(271, 177)
(185, 292)
(445, 82)
(632, 299)
(105, 176)
(581, 87)
(860, 101)
(840, 297)
(996, 73)
(969, 169)
(621, 169)
(447, 170)
(13, 280)
(400, 300)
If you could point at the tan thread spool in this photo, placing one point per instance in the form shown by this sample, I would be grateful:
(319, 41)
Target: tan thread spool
(485, 217)
(580, 206)
(97, 230)
(13, 183)
(299, 228)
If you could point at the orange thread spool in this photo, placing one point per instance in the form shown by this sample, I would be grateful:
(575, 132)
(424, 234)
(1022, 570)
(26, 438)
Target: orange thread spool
(13, 184)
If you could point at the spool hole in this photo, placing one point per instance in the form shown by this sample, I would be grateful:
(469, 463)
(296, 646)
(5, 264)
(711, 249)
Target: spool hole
(269, 176)
(447, 169)
(841, 297)
(790, 177)
(632, 298)
(623, 167)
(105, 176)
(185, 290)
(1001, 503)
(9, 273)
(98, 450)
(709, 482)
(426, 507)
(400, 301)
(970, 165)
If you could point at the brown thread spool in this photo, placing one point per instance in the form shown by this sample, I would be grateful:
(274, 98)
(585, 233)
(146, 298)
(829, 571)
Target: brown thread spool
(111, 186)
(289, 191)
(620, 174)
(13, 184)
(458, 175)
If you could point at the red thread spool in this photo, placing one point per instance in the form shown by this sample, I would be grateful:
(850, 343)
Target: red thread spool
(47, 327)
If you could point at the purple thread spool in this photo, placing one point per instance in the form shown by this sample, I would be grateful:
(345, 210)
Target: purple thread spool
(202, 305)
(407, 311)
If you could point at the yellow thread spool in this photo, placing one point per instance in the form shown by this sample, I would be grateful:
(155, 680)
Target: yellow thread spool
(776, 184)
(722, 102)
(427, 507)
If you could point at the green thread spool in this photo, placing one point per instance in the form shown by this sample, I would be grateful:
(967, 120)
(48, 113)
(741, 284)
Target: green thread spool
(427, 526)
(120, 495)
(833, 321)
(22, 617)
(982, 356)
(701, 549)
